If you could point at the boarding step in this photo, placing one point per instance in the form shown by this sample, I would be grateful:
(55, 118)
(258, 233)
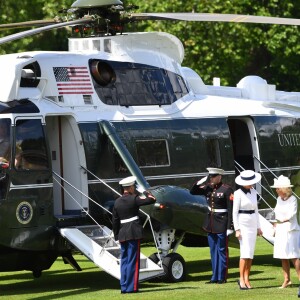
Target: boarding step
(97, 243)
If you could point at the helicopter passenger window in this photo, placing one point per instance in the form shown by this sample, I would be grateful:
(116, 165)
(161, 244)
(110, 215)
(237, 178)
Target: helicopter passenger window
(30, 147)
(154, 153)
(213, 152)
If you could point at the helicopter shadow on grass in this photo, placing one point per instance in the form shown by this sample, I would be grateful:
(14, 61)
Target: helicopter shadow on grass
(68, 283)
(200, 270)
(92, 279)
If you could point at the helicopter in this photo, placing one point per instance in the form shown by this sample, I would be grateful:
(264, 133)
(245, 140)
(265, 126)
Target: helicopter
(118, 104)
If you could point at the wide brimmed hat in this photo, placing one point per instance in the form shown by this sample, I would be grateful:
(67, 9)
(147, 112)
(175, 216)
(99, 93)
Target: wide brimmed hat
(247, 177)
(215, 171)
(128, 181)
(281, 182)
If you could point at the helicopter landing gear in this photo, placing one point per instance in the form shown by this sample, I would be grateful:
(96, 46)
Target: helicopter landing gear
(174, 267)
(173, 263)
(154, 258)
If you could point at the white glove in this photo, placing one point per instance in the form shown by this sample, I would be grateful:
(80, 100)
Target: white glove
(202, 180)
(140, 189)
(229, 232)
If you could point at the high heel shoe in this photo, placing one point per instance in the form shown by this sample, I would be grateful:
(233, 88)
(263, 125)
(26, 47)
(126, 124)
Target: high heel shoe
(285, 285)
(241, 287)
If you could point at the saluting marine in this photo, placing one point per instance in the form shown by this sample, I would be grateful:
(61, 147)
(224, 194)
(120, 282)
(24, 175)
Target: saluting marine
(128, 230)
(218, 223)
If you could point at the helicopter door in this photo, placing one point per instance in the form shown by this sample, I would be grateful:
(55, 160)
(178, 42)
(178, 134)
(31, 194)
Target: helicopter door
(5, 155)
(67, 155)
(244, 143)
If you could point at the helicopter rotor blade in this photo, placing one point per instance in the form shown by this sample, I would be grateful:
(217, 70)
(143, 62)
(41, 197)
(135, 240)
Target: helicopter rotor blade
(28, 24)
(31, 32)
(208, 17)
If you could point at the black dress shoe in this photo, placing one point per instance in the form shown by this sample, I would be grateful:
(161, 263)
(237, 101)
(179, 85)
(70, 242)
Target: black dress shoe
(222, 281)
(211, 281)
(242, 287)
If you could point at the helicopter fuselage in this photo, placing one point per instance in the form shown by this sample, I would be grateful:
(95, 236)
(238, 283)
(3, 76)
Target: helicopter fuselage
(121, 104)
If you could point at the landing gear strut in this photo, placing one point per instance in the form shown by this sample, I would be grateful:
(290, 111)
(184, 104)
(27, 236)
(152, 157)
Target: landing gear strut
(173, 263)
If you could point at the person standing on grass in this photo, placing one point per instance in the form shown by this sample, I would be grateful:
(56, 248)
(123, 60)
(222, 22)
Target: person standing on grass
(246, 222)
(218, 223)
(287, 229)
(128, 230)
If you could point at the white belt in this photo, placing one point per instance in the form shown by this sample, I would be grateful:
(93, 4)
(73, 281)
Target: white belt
(218, 210)
(129, 220)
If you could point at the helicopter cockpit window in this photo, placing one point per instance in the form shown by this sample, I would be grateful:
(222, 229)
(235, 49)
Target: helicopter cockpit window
(30, 147)
(128, 84)
(152, 153)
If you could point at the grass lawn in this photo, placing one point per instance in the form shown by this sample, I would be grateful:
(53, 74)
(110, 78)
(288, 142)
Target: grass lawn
(62, 282)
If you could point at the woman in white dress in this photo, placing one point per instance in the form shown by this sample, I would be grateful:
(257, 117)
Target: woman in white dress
(287, 229)
(246, 222)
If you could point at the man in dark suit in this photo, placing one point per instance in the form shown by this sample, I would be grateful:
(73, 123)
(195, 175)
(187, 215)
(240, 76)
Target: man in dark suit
(218, 223)
(128, 230)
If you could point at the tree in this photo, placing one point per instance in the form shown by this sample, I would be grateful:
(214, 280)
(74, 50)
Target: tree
(230, 50)
(33, 10)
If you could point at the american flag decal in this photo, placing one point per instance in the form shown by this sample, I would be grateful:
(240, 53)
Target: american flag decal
(73, 80)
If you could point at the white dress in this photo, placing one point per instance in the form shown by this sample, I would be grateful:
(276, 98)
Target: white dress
(246, 223)
(287, 234)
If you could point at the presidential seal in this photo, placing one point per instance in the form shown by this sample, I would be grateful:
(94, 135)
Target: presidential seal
(24, 212)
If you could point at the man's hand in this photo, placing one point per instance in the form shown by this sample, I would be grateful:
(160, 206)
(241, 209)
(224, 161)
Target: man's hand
(201, 181)
(149, 195)
(229, 232)
(140, 189)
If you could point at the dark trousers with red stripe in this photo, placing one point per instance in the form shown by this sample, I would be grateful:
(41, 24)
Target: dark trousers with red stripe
(130, 266)
(218, 244)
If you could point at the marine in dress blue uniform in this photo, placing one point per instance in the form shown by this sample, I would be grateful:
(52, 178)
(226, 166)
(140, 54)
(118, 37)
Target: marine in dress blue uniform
(218, 222)
(128, 230)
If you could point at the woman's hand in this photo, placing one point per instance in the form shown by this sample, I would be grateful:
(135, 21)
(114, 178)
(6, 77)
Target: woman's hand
(238, 234)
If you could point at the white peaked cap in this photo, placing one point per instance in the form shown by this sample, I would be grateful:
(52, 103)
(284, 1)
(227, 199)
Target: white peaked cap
(215, 171)
(128, 181)
(281, 182)
(247, 177)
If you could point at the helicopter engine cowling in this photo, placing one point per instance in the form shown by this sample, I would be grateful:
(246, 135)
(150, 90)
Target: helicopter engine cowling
(176, 208)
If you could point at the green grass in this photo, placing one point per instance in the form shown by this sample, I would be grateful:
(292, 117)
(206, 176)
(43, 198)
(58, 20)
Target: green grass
(62, 282)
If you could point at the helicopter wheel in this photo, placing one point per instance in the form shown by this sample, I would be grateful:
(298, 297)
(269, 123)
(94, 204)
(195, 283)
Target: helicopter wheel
(37, 273)
(174, 267)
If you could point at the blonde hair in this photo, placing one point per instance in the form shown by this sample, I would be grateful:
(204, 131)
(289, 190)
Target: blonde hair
(287, 191)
